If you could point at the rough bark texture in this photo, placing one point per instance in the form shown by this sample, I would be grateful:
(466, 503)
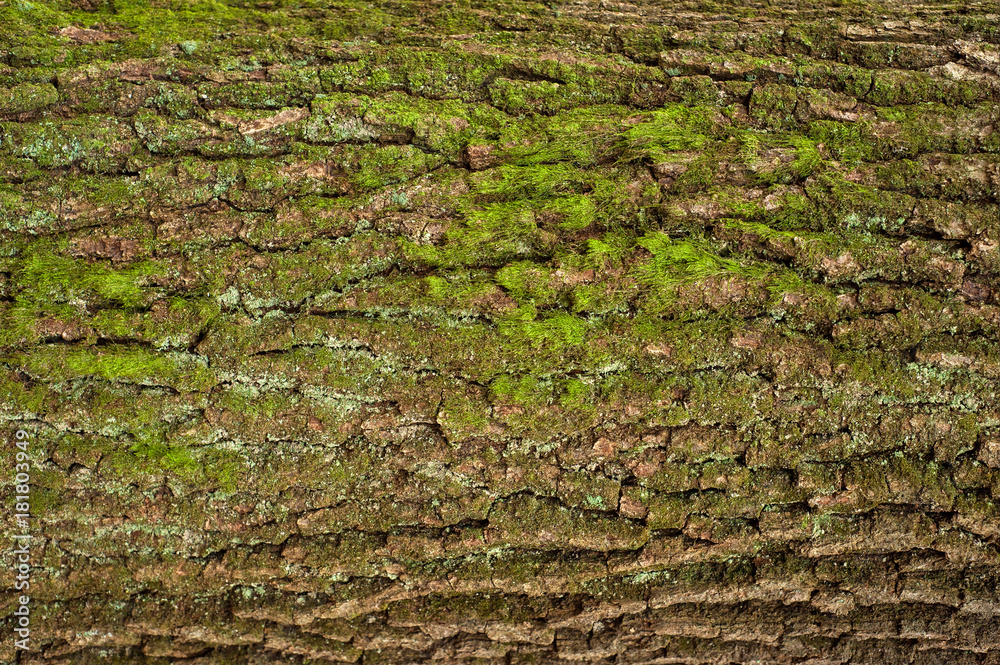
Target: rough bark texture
(503, 332)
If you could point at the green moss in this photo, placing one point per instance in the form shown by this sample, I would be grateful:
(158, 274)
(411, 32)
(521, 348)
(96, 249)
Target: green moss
(529, 252)
(96, 144)
(19, 325)
(609, 250)
(528, 282)
(529, 97)
(165, 456)
(526, 390)
(291, 278)
(162, 136)
(676, 261)
(496, 235)
(434, 73)
(30, 398)
(180, 22)
(443, 127)
(45, 275)
(850, 144)
(574, 213)
(897, 87)
(462, 419)
(578, 136)
(27, 97)
(557, 332)
(773, 105)
(256, 95)
(373, 167)
(674, 127)
(695, 91)
(114, 363)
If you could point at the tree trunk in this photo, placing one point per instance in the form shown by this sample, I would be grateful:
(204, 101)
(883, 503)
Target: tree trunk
(502, 332)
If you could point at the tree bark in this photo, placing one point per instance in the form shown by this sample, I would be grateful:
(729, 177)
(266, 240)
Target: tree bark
(502, 332)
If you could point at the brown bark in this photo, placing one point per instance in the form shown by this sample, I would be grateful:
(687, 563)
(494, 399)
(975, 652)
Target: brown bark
(503, 333)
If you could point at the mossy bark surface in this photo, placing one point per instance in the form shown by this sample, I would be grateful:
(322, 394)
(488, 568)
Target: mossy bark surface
(503, 332)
